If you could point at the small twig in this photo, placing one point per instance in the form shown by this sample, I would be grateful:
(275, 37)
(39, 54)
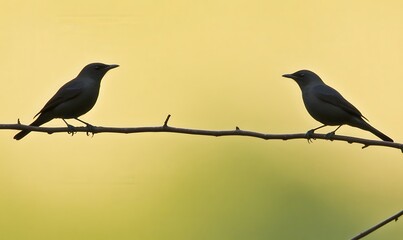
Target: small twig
(166, 120)
(235, 132)
(379, 225)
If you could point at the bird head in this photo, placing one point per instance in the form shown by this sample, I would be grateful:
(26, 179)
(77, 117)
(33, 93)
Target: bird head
(304, 78)
(97, 70)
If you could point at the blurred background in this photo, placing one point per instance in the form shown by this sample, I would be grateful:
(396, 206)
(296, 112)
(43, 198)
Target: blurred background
(212, 65)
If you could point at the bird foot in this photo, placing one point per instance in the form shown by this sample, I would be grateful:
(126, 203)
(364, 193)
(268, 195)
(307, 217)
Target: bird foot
(90, 129)
(330, 135)
(309, 135)
(71, 129)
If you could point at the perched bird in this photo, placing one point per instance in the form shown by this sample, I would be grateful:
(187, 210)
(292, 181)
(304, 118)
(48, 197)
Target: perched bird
(328, 106)
(74, 98)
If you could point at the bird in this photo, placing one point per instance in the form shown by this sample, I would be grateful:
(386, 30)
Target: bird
(74, 98)
(328, 106)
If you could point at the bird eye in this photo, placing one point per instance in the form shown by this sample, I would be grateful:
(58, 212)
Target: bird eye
(301, 74)
(97, 67)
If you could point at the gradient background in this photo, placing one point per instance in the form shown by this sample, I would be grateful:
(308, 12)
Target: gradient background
(212, 65)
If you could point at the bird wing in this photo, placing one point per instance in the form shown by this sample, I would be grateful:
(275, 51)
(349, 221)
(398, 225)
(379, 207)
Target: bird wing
(65, 93)
(331, 96)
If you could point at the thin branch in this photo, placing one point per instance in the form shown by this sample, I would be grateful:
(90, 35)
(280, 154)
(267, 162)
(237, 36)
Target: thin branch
(379, 225)
(217, 133)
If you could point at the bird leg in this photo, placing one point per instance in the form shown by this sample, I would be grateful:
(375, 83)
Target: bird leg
(89, 127)
(309, 134)
(331, 134)
(71, 128)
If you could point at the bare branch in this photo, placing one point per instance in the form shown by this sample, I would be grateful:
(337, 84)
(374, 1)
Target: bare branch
(379, 225)
(217, 133)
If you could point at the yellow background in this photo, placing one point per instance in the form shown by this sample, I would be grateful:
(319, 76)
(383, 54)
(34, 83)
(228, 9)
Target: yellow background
(212, 65)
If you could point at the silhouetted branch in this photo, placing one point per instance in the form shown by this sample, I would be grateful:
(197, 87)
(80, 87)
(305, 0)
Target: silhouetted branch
(217, 133)
(379, 225)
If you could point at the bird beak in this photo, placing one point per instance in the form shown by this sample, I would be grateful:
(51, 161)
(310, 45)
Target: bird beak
(289, 76)
(112, 66)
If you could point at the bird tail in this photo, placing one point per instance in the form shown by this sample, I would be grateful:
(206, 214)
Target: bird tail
(366, 126)
(42, 119)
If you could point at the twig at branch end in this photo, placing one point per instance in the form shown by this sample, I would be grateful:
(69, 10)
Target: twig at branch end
(379, 225)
